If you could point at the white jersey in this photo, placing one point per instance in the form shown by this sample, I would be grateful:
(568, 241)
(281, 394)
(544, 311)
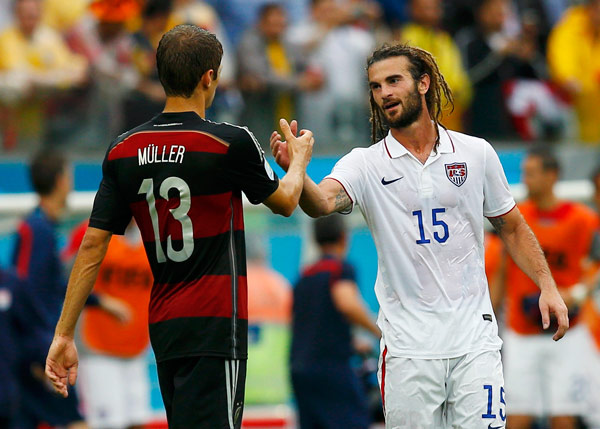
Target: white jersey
(427, 224)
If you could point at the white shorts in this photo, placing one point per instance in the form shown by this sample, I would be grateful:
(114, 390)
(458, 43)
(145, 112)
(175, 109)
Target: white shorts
(592, 413)
(462, 392)
(546, 377)
(115, 392)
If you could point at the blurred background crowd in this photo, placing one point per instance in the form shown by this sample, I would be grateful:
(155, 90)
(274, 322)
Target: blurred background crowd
(76, 73)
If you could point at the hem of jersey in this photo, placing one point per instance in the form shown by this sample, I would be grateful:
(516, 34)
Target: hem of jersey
(449, 355)
(240, 356)
(347, 211)
(503, 212)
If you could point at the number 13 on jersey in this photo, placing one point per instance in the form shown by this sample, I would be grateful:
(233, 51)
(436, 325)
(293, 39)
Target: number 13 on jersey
(180, 213)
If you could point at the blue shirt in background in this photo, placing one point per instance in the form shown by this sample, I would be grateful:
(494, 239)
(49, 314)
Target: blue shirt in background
(320, 333)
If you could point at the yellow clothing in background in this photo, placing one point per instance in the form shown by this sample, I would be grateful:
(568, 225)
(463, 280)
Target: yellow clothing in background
(44, 55)
(61, 15)
(441, 45)
(574, 56)
(281, 66)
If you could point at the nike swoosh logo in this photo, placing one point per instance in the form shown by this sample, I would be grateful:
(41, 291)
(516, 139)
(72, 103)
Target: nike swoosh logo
(494, 427)
(387, 182)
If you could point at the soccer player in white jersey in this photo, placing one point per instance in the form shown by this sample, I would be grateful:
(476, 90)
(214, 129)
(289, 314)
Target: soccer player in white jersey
(424, 192)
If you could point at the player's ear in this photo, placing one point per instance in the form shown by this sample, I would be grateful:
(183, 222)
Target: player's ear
(424, 83)
(207, 79)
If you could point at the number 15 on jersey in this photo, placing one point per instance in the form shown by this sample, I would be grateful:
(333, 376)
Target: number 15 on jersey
(439, 236)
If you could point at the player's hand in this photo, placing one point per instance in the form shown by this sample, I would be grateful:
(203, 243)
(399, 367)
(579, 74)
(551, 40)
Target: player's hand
(62, 363)
(279, 148)
(297, 147)
(552, 303)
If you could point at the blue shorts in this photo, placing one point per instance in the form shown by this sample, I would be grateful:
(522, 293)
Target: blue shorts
(38, 403)
(330, 396)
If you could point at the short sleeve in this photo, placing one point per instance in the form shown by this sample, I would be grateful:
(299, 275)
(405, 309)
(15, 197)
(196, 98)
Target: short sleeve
(348, 172)
(249, 170)
(110, 211)
(497, 197)
(348, 272)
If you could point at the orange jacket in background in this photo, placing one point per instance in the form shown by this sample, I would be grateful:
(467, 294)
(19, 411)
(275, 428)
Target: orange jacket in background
(124, 274)
(565, 234)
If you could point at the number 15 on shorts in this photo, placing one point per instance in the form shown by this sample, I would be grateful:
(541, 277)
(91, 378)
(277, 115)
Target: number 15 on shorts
(491, 400)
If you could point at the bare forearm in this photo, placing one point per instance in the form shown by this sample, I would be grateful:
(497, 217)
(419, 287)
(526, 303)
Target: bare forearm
(81, 282)
(312, 199)
(525, 250)
(357, 315)
(323, 199)
(292, 184)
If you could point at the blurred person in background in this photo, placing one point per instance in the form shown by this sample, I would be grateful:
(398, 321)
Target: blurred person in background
(327, 304)
(239, 15)
(35, 65)
(270, 72)
(102, 37)
(574, 62)
(565, 230)
(394, 12)
(334, 47)
(590, 313)
(269, 315)
(148, 97)
(10, 352)
(63, 15)
(41, 291)
(506, 69)
(115, 386)
(425, 32)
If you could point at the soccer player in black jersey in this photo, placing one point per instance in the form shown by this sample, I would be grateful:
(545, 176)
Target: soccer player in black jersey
(181, 177)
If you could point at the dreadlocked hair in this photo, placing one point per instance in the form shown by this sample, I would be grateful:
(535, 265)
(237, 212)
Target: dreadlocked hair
(421, 63)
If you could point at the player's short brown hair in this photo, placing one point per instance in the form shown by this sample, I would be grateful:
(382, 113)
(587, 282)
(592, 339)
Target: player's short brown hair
(184, 54)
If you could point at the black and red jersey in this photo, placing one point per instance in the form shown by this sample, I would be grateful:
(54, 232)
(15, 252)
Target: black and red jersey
(182, 178)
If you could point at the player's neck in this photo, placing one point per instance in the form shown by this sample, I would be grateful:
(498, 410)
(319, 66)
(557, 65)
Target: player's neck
(545, 202)
(53, 207)
(336, 250)
(419, 137)
(196, 103)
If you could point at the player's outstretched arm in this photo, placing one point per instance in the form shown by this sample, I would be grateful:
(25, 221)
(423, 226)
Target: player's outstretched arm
(299, 151)
(316, 200)
(525, 250)
(62, 360)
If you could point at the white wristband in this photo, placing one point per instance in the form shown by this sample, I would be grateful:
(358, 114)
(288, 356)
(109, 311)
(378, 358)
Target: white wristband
(579, 292)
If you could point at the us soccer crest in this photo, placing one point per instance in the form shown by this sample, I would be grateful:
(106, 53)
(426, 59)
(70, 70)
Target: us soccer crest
(457, 172)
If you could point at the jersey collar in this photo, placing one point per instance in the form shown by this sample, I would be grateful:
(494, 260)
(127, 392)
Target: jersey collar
(395, 149)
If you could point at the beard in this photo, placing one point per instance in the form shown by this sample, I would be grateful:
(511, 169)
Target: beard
(411, 110)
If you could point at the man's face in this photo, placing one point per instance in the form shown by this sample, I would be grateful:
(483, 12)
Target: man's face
(426, 12)
(395, 92)
(492, 15)
(539, 182)
(28, 14)
(273, 24)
